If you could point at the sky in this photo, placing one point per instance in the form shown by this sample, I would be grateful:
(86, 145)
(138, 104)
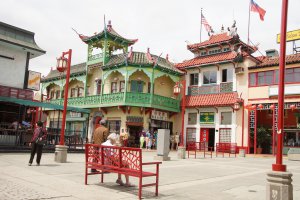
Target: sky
(165, 26)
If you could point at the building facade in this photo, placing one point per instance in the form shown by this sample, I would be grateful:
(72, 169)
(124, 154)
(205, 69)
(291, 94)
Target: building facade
(131, 90)
(216, 91)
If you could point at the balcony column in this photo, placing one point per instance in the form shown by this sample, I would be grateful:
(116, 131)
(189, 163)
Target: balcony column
(152, 86)
(89, 54)
(126, 85)
(102, 86)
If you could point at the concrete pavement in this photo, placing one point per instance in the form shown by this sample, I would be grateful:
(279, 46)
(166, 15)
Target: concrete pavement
(209, 179)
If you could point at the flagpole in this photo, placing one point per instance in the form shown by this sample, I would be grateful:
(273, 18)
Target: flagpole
(249, 22)
(201, 25)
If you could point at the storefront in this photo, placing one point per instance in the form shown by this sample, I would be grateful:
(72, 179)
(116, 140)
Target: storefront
(160, 120)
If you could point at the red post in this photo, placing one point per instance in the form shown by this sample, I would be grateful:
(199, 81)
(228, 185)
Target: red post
(182, 112)
(279, 166)
(62, 133)
(255, 130)
(243, 123)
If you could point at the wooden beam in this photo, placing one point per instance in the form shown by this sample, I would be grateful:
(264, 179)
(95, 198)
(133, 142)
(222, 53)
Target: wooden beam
(123, 108)
(103, 110)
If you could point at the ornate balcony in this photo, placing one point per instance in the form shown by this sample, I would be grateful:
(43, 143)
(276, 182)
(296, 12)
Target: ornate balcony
(95, 57)
(210, 89)
(132, 99)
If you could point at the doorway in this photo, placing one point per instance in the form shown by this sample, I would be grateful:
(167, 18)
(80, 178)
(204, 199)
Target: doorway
(208, 135)
(134, 136)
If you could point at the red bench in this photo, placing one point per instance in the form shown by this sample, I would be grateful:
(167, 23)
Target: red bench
(121, 160)
(230, 148)
(199, 146)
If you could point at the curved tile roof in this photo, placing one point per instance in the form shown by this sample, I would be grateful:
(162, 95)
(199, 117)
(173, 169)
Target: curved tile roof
(207, 100)
(214, 39)
(274, 61)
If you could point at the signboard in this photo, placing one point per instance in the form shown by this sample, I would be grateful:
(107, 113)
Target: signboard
(290, 36)
(158, 115)
(207, 118)
(75, 114)
(34, 80)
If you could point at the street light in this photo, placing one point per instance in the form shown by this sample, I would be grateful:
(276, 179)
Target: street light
(63, 64)
(177, 90)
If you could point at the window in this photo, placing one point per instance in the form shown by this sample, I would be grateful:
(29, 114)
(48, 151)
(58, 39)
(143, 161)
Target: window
(136, 86)
(227, 75)
(191, 135)
(194, 79)
(203, 53)
(192, 118)
(214, 51)
(252, 79)
(226, 118)
(52, 94)
(73, 92)
(209, 77)
(114, 87)
(225, 135)
(226, 49)
(122, 86)
(98, 87)
(80, 92)
(57, 94)
(114, 126)
(149, 87)
(63, 94)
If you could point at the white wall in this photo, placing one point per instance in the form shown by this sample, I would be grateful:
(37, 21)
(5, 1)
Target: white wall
(12, 72)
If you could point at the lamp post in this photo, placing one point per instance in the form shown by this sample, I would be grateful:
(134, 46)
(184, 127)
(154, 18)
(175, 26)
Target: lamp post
(279, 184)
(63, 64)
(178, 88)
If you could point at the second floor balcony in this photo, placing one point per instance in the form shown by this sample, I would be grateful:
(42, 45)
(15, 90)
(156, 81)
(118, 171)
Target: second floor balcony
(124, 99)
(210, 89)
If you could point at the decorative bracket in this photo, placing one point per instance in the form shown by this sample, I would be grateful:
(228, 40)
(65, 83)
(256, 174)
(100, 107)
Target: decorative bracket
(216, 109)
(148, 110)
(103, 110)
(123, 108)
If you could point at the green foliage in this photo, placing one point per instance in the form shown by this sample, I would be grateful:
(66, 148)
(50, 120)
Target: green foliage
(263, 135)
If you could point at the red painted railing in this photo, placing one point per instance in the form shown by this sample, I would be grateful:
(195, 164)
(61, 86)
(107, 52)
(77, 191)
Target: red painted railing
(16, 93)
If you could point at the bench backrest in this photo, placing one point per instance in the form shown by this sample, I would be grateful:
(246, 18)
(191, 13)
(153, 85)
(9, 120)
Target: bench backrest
(115, 157)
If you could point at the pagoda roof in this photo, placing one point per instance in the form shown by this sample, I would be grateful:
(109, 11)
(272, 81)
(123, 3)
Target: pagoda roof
(108, 31)
(141, 58)
(208, 100)
(21, 38)
(206, 60)
(75, 69)
(274, 61)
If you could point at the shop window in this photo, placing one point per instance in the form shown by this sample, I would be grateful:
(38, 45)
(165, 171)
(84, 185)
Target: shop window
(73, 92)
(57, 94)
(80, 92)
(192, 118)
(194, 79)
(98, 87)
(190, 135)
(114, 126)
(114, 87)
(226, 118)
(136, 86)
(122, 86)
(225, 135)
(227, 75)
(209, 77)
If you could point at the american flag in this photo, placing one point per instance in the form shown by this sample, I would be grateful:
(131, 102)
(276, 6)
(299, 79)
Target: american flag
(205, 23)
(258, 9)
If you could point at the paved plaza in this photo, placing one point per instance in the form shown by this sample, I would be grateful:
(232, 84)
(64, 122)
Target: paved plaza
(209, 179)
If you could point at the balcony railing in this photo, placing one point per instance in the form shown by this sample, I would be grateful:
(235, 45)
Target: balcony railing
(95, 57)
(132, 99)
(210, 89)
(16, 93)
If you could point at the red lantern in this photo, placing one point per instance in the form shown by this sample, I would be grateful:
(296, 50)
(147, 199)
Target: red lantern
(61, 64)
(176, 89)
(253, 107)
(293, 107)
(260, 106)
(248, 106)
(272, 107)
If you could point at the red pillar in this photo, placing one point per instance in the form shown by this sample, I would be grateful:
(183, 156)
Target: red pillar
(182, 112)
(255, 129)
(279, 166)
(243, 123)
(62, 133)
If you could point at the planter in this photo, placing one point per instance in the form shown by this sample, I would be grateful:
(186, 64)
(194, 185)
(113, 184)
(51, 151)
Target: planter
(258, 150)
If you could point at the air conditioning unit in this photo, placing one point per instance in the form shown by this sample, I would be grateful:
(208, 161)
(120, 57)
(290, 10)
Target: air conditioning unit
(239, 70)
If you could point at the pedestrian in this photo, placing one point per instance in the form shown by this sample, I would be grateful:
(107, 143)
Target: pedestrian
(100, 135)
(147, 139)
(150, 141)
(37, 142)
(155, 139)
(142, 139)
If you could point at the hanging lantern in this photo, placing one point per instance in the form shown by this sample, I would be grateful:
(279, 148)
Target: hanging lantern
(260, 106)
(293, 107)
(176, 89)
(253, 107)
(236, 106)
(272, 107)
(248, 106)
(61, 65)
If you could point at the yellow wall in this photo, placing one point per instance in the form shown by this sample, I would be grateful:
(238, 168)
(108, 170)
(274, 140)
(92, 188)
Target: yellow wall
(95, 73)
(143, 77)
(164, 86)
(111, 78)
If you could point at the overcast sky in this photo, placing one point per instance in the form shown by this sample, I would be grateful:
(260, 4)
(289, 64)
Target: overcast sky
(161, 25)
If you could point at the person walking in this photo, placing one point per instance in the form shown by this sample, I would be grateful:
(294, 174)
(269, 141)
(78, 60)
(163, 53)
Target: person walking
(142, 139)
(147, 139)
(37, 142)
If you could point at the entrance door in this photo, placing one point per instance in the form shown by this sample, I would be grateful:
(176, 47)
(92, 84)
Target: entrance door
(204, 134)
(211, 141)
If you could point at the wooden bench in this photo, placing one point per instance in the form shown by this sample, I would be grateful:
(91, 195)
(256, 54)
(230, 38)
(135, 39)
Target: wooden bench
(200, 147)
(120, 160)
(230, 148)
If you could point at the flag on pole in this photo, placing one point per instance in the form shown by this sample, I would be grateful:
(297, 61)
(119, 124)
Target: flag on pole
(205, 23)
(259, 10)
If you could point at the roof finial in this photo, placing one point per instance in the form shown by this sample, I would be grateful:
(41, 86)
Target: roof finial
(167, 57)
(148, 50)
(109, 26)
(222, 29)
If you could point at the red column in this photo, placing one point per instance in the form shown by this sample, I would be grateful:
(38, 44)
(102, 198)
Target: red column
(255, 129)
(62, 133)
(243, 123)
(182, 112)
(279, 166)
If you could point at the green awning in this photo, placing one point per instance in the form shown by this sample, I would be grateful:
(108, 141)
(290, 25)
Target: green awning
(42, 104)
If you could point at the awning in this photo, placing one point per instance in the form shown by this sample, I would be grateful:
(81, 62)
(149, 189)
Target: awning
(76, 119)
(42, 104)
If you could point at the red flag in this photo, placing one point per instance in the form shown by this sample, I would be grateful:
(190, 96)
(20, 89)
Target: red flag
(205, 23)
(259, 10)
